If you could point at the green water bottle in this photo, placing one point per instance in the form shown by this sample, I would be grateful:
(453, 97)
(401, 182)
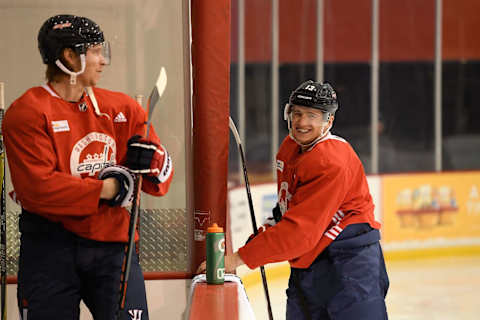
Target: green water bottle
(215, 255)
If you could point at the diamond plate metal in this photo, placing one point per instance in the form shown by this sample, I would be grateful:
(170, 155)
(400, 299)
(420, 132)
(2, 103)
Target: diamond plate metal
(13, 241)
(163, 240)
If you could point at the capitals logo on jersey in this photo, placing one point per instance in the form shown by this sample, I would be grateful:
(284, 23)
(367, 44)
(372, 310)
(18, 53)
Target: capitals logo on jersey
(92, 153)
(284, 197)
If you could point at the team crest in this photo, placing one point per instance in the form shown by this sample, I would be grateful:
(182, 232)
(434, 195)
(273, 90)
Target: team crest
(92, 153)
(82, 107)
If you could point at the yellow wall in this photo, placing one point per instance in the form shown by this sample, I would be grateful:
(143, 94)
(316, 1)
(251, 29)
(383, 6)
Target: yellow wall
(442, 208)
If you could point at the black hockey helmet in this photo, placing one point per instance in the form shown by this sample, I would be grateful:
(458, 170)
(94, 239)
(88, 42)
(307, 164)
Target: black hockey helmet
(316, 95)
(67, 31)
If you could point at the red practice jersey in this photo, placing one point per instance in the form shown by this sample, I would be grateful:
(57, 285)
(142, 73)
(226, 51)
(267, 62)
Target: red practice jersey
(56, 148)
(320, 192)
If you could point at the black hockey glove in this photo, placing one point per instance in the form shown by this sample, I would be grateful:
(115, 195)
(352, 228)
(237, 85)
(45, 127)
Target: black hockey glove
(147, 157)
(260, 230)
(269, 222)
(126, 180)
(277, 213)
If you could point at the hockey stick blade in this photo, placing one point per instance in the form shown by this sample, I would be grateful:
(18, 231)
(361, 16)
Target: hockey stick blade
(155, 95)
(234, 130)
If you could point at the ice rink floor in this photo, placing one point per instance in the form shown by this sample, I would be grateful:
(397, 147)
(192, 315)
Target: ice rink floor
(446, 288)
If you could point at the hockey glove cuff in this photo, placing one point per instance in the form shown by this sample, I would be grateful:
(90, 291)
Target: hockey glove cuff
(126, 180)
(149, 158)
(269, 222)
(277, 214)
(260, 230)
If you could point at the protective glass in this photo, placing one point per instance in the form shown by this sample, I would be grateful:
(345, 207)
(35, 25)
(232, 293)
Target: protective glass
(104, 50)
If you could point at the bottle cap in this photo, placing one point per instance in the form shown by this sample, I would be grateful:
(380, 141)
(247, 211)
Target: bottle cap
(214, 228)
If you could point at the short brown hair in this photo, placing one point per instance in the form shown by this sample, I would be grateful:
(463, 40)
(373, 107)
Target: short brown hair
(53, 72)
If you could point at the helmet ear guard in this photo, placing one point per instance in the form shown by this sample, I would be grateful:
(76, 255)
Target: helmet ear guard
(286, 116)
(286, 111)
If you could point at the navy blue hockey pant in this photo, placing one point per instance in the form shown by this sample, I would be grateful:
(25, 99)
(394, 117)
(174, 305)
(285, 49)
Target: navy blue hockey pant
(347, 281)
(57, 269)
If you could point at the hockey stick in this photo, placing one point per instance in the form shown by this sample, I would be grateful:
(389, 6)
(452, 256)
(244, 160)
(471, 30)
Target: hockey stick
(3, 214)
(252, 212)
(139, 99)
(155, 95)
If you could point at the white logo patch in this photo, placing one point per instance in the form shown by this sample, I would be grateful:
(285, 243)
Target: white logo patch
(120, 117)
(304, 97)
(92, 153)
(280, 165)
(135, 314)
(60, 126)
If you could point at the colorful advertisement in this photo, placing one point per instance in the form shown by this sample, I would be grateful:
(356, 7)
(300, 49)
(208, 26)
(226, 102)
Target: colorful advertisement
(431, 210)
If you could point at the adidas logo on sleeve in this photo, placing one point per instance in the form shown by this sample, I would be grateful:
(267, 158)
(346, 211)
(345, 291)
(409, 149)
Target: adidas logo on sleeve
(120, 117)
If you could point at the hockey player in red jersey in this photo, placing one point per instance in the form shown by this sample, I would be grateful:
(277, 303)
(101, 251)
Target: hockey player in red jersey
(73, 151)
(324, 223)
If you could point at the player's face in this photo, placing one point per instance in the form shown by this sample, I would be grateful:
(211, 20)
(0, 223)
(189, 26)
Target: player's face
(95, 62)
(307, 124)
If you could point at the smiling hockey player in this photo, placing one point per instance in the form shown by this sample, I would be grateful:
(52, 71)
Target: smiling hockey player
(323, 223)
(64, 142)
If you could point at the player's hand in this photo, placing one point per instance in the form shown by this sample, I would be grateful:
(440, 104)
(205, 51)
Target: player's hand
(119, 192)
(202, 268)
(110, 188)
(147, 157)
(268, 223)
(276, 214)
(232, 262)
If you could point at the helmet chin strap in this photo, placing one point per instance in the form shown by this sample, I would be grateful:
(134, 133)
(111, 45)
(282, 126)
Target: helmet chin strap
(73, 75)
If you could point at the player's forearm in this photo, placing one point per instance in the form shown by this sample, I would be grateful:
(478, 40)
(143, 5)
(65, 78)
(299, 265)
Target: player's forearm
(232, 262)
(60, 195)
